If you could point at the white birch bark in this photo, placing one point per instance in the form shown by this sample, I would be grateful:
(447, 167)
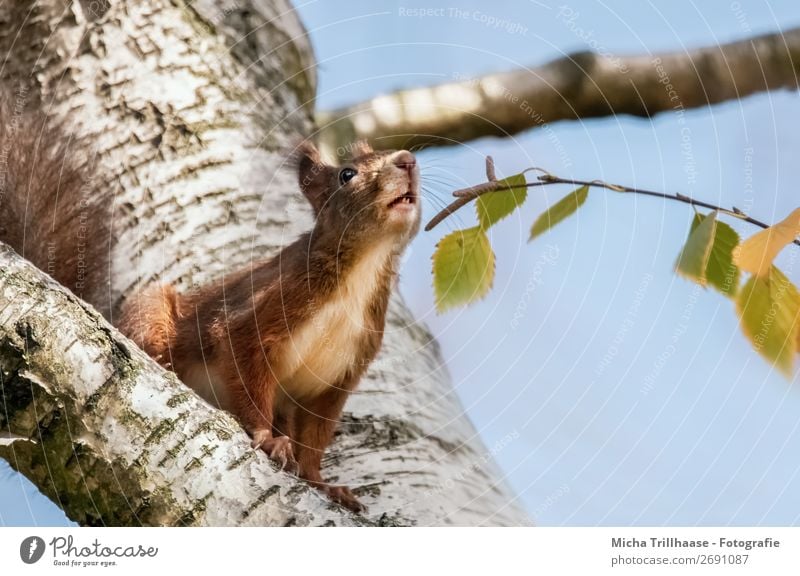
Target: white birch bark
(582, 85)
(191, 107)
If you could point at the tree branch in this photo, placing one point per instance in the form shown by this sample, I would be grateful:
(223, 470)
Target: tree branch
(582, 85)
(116, 440)
(466, 195)
(191, 107)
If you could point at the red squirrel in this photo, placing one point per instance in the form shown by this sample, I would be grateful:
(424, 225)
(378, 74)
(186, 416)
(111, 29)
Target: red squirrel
(51, 210)
(281, 343)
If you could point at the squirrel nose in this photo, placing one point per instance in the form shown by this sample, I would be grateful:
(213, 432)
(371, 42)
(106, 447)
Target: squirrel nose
(404, 159)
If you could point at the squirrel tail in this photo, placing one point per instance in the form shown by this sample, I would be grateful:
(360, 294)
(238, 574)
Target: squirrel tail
(51, 211)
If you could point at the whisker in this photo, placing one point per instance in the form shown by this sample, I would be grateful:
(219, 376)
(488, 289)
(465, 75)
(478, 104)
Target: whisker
(444, 188)
(443, 168)
(455, 221)
(444, 180)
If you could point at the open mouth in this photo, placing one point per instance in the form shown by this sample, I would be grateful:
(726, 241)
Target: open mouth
(409, 198)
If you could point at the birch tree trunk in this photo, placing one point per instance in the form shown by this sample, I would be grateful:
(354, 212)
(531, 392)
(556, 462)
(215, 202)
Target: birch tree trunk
(190, 107)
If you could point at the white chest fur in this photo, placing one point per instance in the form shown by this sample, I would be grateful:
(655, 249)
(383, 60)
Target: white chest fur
(319, 352)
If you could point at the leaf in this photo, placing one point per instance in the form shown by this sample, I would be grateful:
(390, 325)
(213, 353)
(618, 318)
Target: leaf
(559, 211)
(719, 271)
(693, 259)
(494, 206)
(463, 268)
(757, 253)
(768, 308)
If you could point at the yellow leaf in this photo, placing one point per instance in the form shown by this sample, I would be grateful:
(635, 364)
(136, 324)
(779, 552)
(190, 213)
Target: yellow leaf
(769, 312)
(755, 255)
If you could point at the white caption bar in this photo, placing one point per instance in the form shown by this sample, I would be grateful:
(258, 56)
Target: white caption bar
(354, 551)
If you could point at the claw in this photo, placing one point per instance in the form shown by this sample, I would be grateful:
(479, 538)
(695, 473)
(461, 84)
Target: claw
(344, 496)
(260, 437)
(279, 448)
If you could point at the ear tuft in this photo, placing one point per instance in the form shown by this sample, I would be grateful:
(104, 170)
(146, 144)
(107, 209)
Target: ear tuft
(311, 173)
(304, 152)
(360, 148)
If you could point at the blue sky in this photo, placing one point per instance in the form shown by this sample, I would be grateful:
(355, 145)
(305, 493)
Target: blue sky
(631, 394)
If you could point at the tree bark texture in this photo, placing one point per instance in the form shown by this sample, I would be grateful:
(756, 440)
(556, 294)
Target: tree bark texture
(190, 108)
(582, 85)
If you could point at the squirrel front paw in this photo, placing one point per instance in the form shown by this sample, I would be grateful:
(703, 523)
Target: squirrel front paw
(278, 448)
(344, 496)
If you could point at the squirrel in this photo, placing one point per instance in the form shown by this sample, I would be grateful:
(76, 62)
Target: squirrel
(279, 344)
(50, 204)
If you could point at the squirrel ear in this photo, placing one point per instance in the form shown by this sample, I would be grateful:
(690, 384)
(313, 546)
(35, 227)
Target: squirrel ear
(360, 148)
(311, 173)
(305, 150)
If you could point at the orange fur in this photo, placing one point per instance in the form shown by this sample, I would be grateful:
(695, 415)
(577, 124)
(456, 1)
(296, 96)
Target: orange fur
(150, 320)
(280, 343)
(283, 342)
(52, 210)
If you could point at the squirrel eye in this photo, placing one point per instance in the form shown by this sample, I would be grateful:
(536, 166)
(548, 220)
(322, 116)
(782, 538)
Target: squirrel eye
(346, 175)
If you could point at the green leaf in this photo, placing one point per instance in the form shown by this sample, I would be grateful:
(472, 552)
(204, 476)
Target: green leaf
(463, 268)
(559, 211)
(494, 206)
(768, 308)
(693, 259)
(707, 256)
(721, 272)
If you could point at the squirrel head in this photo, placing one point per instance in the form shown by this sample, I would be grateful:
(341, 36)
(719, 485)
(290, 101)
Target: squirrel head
(372, 195)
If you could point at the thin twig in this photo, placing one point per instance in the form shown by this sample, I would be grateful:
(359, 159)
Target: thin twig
(446, 211)
(490, 176)
(466, 195)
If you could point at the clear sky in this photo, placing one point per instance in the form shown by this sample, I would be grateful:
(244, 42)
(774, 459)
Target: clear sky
(631, 393)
